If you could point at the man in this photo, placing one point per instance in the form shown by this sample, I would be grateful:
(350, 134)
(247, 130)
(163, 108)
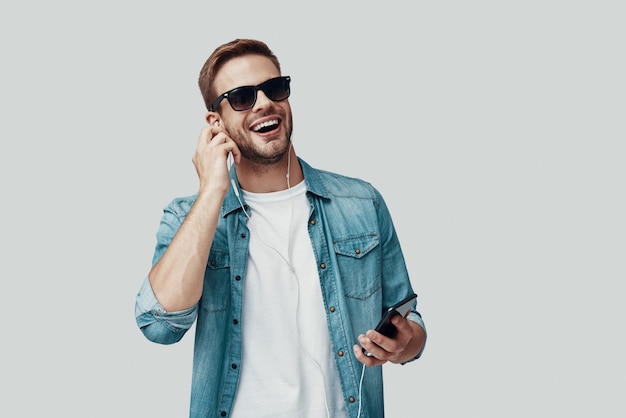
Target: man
(284, 267)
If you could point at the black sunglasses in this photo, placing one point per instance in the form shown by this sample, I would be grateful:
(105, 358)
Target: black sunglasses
(243, 98)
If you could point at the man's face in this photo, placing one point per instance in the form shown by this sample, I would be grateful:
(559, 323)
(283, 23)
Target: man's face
(262, 132)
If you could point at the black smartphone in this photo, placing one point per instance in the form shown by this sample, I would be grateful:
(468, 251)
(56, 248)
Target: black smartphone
(385, 326)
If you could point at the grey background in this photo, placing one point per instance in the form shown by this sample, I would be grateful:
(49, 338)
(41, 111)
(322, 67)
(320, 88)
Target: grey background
(494, 130)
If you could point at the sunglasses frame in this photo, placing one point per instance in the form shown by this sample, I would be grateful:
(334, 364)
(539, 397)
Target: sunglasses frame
(256, 89)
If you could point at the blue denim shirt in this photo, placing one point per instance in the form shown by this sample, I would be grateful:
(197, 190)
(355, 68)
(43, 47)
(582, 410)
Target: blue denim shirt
(361, 269)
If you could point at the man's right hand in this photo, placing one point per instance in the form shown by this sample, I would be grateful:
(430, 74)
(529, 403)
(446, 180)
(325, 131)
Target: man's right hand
(211, 159)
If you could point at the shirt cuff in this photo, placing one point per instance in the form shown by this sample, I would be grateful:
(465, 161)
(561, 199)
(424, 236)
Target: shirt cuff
(148, 303)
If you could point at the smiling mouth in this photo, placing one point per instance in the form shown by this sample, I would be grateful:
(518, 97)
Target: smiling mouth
(266, 126)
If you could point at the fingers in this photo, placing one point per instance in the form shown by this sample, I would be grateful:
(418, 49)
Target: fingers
(365, 359)
(210, 133)
(211, 158)
(214, 138)
(382, 348)
(403, 327)
(214, 135)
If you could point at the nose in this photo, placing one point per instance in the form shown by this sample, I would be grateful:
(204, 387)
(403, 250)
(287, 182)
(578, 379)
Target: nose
(262, 100)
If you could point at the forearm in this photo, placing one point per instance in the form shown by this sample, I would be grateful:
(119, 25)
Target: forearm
(177, 278)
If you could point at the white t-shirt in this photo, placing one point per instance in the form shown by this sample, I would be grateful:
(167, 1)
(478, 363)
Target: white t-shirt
(287, 361)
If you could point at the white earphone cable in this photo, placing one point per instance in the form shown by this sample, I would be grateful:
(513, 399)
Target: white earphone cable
(361, 387)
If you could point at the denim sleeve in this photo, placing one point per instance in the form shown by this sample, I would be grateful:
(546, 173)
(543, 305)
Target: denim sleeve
(155, 323)
(395, 259)
(173, 216)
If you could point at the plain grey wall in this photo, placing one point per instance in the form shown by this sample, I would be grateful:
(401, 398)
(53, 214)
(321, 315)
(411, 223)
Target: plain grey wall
(494, 130)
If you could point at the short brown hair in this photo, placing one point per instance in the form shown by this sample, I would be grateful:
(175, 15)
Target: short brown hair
(221, 55)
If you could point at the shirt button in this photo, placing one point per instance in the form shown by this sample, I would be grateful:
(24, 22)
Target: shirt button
(340, 354)
(212, 262)
(237, 278)
(351, 399)
(332, 309)
(235, 321)
(243, 235)
(358, 251)
(323, 266)
(312, 221)
(223, 413)
(234, 366)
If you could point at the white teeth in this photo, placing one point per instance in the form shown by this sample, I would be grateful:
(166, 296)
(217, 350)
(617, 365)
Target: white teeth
(265, 124)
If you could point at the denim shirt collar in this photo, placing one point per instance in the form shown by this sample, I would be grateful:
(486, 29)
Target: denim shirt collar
(312, 179)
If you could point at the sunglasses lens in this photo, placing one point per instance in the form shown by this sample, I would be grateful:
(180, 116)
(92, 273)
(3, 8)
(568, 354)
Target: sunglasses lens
(242, 98)
(276, 89)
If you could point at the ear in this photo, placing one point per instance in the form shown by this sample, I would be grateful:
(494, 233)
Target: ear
(212, 118)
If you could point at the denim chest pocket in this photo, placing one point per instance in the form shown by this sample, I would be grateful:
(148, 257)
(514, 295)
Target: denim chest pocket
(359, 261)
(216, 291)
